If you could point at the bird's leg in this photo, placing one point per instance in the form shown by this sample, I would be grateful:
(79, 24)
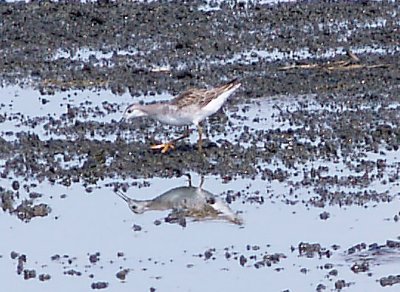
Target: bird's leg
(165, 147)
(201, 182)
(189, 179)
(200, 141)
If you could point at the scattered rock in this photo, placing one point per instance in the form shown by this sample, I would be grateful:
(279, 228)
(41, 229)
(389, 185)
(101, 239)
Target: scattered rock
(389, 280)
(122, 274)
(99, 285)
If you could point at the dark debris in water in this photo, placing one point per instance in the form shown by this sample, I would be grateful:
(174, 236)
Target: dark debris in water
(44, 277)
(365, 256)
(251, 256)
(176, 218)
(254, 258)
(26, 210)
(360, 267)
(268, 260)
(389, 280)
(94, 258)
(122, 274)
(73, 272)
(99, 285)
(29, 274)
(136, 227)
(311, 250)
(341, 284)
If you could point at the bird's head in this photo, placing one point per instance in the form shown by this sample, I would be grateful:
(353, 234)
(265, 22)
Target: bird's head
(136, 207)
(133, 111)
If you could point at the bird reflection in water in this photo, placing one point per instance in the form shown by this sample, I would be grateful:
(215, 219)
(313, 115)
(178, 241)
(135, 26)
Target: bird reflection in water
(185, 202)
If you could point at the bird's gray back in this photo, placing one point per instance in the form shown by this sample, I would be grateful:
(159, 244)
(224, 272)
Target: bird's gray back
(184, 197)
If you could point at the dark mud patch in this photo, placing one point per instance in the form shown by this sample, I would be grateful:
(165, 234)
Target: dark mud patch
(359, 101)
(41, 43)
(27, 209)
(339, 129)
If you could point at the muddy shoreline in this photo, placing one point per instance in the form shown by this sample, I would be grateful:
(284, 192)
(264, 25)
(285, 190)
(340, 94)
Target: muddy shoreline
(201, 47)
(190, 41)
(193, 44)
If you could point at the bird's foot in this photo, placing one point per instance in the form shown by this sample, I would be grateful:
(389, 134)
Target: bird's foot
(165, 147)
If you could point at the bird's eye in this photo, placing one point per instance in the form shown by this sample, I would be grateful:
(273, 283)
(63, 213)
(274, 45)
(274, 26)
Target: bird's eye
(134, 207)
(210, 201)
(129, 111)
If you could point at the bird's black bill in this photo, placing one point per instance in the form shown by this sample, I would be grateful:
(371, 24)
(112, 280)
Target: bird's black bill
(122, 120)
(121, 195)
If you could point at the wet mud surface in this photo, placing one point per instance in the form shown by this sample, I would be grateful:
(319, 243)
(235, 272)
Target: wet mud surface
(200, 47)
(326, 74)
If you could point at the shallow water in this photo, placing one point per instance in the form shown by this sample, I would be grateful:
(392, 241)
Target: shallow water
(162, 256)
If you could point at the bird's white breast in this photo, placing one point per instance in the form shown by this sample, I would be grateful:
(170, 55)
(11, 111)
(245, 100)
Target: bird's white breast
(214, 105)
(176, 118)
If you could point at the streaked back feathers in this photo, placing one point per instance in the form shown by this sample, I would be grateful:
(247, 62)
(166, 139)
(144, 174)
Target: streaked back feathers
(202, 97)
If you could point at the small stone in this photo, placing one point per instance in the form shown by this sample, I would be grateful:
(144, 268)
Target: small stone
(360, 267)
(136, 227)
(324, 216)
(242, 260)
(44, 277)
(14, 255)
(15, 185)
(99, 285)
(208, 254)
(328, 266)
(29, 274)
(55, 257)
(122, 274)
(340, 284)
(94, 258)
(333, 273)
(389, 280)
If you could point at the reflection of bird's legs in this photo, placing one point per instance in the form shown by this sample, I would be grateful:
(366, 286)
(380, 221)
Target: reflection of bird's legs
(200, 141)
(201, 181)
(189, 179)
(165, 147)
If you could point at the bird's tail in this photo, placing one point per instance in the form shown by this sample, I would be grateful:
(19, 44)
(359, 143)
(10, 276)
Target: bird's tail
(230, 86)
(233, 82)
